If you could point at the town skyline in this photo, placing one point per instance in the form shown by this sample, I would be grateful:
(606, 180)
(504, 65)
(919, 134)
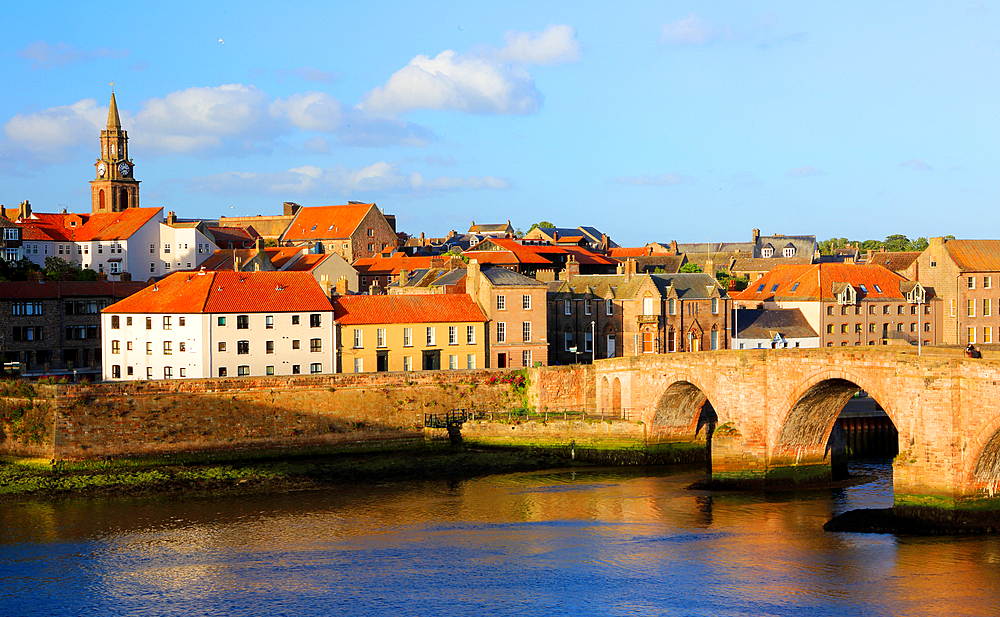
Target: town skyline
(857, 123)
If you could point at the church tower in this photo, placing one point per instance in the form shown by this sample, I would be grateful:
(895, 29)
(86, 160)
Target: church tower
(115, 188)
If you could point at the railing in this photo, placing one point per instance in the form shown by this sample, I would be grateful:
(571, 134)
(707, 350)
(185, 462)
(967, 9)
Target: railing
(462, 415)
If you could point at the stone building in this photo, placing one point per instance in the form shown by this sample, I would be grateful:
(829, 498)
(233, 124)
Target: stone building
(962, 273)
(55, 327)
(849, 304)
(353, 231)
(115, 189)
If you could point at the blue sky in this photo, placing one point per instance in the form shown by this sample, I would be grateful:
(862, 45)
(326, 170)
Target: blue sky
(650, 121)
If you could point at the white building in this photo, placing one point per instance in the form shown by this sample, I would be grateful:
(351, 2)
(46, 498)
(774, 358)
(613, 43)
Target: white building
(772, 329)
(135, 240)
(220, 324)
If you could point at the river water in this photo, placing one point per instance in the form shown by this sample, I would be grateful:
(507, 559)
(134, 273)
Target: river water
(592, 542)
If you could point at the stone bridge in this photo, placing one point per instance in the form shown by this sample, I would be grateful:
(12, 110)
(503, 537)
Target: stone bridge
(775, 410)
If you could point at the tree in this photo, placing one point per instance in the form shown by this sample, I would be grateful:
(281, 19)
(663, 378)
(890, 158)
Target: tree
(691, 267)
(58, 269)
(544, 224)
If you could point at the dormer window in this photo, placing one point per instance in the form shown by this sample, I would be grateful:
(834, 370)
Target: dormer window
(788, 251)
(767, 252)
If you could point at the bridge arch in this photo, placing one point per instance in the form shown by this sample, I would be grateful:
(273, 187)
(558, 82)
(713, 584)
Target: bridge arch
(680, 407)
(983, 470)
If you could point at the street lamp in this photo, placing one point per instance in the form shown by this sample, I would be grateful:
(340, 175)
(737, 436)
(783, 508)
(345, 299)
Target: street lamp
(736, 326)
(593, 342)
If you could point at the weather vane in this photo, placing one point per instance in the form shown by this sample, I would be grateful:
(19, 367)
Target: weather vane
(112, 87)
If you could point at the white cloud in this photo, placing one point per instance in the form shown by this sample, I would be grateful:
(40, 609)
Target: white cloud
(557, 44)
(56, 128)
(381, 177)
(461, 83)
(666, 179)
(802, 172)
(917, 165)
(312, 111)
(690, 31)
(43, 55)
(320, 112)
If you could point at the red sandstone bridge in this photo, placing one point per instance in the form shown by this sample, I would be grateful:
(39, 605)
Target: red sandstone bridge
(776, 410)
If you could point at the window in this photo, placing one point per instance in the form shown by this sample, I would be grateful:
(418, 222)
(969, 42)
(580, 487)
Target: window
(972, 282)
(972, 335)
(380, 337)
(168, 372)
(987, 307)
(671, 307)
(470, 335)
(647, 306)
(269, 322)
(10, 233)
(316, 367)
(586, 307)
(526, 357)
(609, 307)
(430, 335)
(166, 322)
(371, 232)
(359, 340)
(152, 248)
(149, 348)
(899, 327)
(115, 322)
(167, 348)
(987, 334)
(359, 365)
(242, 348)
(407, 363)
(843, 328)
(913, 326)
(927, 326)
(407, 337)
(829, 328)
(222, 345)
(501, 303)
(166, 248)
(116, 372)
(913, 309)
(152, 267)
(268, 346)
(885, 309)
(315, 345)
(128, 371)
(971, 308)
(453, 362)
(149, 323)
(453, 335)
(181, 347)
(715, 306)
(243, 371)
(953, 307)
(987, 282)
(269, 370)
(295, 320)
(116, 347)
(149, 372)
(829, 310)
(871, 327)
(296, 344)
(760, 287)
(567, 307)
(470, 361)
(788, 251)
(900, 310)
(501, 332)
(526, 302)
(767, 252)
(128, 345)
(526, 332)
(222, 321)
(569, 341)
(588, 342)
(315, 320)
(242, 322)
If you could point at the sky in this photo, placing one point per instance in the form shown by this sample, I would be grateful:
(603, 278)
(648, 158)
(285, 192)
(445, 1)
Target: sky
(651, 121)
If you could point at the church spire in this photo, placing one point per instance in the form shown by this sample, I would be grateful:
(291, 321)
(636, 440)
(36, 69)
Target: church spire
(113, 121)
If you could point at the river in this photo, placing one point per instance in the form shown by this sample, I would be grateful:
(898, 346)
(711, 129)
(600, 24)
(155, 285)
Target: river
(570, 542)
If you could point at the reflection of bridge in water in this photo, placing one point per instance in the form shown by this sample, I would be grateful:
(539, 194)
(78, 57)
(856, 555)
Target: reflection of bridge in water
(775, 411)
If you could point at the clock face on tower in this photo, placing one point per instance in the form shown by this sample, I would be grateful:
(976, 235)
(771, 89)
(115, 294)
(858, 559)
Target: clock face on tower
(123, 169)
(101, 170)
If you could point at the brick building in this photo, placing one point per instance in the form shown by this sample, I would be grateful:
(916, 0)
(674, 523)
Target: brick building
(353, 231)
(516, 308)
(55, 327)
(850, 304)
(965, 274)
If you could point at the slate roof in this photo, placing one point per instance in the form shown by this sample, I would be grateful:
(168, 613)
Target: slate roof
(228, 292)
(502, 277)
(35, 290)
(231, 236)
(897, 262)
(764, 323)
(689, 285)
(816, 282)
(430, 308)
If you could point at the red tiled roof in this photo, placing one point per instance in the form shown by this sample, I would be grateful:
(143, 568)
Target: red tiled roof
(316, 223)
(620, 252)
(228, 292)
(34, 290)
(232, 235)
(307, 263)
(975, 255)
(893, 261)
(815, 283)
(433, 308)
(91, 227)
(281, 256)
(370, 266)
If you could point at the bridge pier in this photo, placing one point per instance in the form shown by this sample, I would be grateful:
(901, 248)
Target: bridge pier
(744, 461)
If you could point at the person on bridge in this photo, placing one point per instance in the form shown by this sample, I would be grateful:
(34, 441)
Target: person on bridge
(972, 352)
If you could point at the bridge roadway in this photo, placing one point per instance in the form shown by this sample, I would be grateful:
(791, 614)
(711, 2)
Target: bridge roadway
(776, 410)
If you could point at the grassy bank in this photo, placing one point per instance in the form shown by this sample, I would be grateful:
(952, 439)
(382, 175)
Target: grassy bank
(264, 471)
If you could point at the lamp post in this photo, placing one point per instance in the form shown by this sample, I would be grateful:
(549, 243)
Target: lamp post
(736, 326)
(593, 341)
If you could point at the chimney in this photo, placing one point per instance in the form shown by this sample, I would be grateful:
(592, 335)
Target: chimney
(236, 261)
(102, 276)
(604, 241)
(620, 268)
(325, 285)
(259, 245)
(422, 241)
(171, 218)
(572, 268)
(545, 276)
(24, 210)
(290, 208)
(710, 265)
(126, 277)
(754, 236)
(342, 286)
(404, 276)
(472, 274)
(673, 247)
(629, 269)
(555, 236)
(437, 262)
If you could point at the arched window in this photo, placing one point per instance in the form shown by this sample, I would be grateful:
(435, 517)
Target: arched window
(100, 200)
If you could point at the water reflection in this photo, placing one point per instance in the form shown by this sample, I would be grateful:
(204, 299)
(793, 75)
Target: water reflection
(600, 542)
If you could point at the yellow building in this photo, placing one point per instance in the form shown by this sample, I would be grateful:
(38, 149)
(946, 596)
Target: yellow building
(409, 333)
